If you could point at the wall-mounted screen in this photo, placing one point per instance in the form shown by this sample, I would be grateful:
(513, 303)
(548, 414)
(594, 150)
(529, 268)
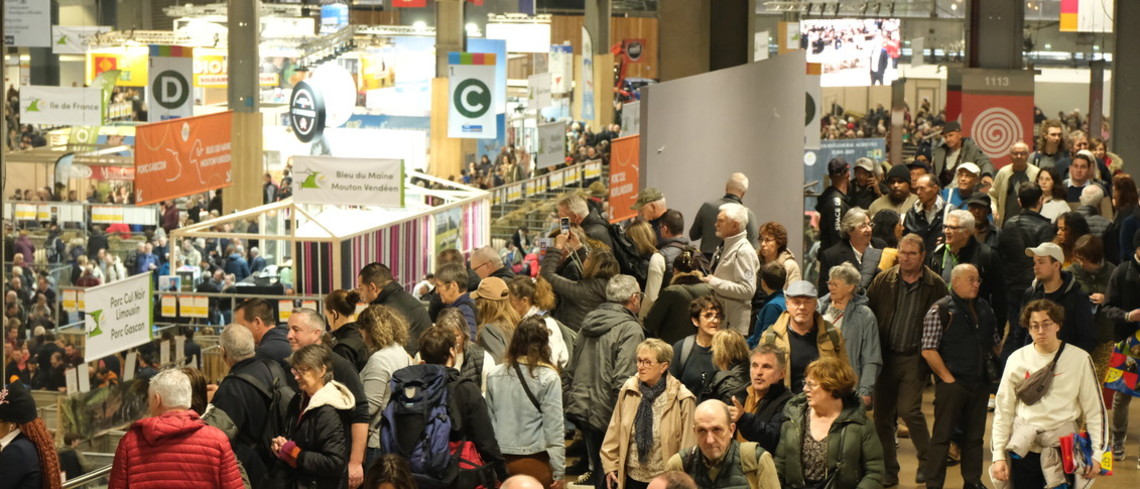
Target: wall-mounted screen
(853, 52)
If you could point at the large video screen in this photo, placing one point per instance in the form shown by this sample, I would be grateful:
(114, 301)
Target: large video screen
(853, 52)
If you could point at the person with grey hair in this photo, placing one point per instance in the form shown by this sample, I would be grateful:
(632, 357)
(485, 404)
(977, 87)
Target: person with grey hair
(486, 262)
(856, 250)
(925, 218)
(574, 208)
(734, 267)
(704, 225)
(845, 306)
(256, 261)
(961, 246)
(174, 436)
(1092, 199)
(719, 461)
(761, 415)
(606, 355)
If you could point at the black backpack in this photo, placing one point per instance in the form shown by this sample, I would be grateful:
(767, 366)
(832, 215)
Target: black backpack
(632, 263)
(277, 396)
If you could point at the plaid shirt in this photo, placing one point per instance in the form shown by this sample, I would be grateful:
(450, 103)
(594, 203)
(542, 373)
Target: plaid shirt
(932, 329)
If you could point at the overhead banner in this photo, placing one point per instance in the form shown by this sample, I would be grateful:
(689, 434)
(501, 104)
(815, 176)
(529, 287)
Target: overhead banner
(1087, 15)
(72, 106)
(182, 157)
(74, 39)
(130, 61)
(169, 94)
(562, 68)
(625, 168)
(210, 70)
(27, 23)
(348, 181)
(538, 90)
(118, 316)
(551, 144)
(997, 110)
(105, 83)
(471, 78)
(587, 75)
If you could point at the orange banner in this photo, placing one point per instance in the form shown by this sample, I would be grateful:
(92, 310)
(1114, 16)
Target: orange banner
(181, 157)
(625, 168)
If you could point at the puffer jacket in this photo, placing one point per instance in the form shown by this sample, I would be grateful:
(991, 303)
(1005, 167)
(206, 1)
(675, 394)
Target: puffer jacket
(605, 355)
(175, 450)
(723, 385)
(853, 448)
(575, 297)
(861, 336)
(320, 459)
(674, 425)
(668, 318)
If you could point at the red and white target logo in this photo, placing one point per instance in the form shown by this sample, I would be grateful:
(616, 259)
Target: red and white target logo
(996, 129)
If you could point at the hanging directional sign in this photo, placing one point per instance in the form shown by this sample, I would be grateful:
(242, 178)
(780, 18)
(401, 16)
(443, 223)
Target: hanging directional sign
(471, 78)
(169, 95)
(306, 112)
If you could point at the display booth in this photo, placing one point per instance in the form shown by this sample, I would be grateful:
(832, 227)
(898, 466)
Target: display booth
(325, 246)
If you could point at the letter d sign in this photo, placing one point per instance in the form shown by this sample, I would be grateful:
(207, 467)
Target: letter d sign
(171, 89)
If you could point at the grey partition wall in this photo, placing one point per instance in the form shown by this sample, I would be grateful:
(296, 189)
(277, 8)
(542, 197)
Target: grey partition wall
(696, 131)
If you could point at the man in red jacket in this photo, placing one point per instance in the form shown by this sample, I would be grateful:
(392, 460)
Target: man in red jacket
(173, 448)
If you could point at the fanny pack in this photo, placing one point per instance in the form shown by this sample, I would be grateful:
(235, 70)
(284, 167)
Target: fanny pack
(1033, 388)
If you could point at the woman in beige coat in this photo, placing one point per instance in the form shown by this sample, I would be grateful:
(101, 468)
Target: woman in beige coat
(653, 420)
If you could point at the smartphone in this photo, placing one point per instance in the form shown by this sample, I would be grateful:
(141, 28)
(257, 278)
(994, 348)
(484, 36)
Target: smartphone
(565, 223)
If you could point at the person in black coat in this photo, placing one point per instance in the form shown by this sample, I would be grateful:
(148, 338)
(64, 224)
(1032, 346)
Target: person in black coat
(240, 410)
(29, 460)
(1025, 230)
(377, 286)
(760, 417)
(833, 203)
(962, 247)
(856, 226)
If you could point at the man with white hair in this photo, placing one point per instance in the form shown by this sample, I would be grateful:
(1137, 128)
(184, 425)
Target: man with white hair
(174, 436)
(1092, 198)
(705, 223)
(856, 249)
(486, 262)
(734, 267)
(574, 208)
(961, 246)
(256, 261)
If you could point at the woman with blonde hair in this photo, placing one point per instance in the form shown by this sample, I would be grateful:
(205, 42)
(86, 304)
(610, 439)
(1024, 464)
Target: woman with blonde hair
(732, 378)
(495, 316)
(532, 298)
(471, 360)
(644, 239)
(385, 332)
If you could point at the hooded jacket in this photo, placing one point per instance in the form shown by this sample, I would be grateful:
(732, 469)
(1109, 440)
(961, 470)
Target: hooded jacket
(861, 337)
(723, 385)
(853, 448)
(393, 295)
(674, 425)
(605, 355)
(575, 297)
(175, 450)
(321, 458)
(1079, 328)
(668, 317)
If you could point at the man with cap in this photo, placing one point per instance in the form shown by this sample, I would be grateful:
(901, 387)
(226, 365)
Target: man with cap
(833, 203)
(1053, 283)
(804, 334)
(651, 206)
(1003, 192)
(898, 196)
(27, 451)
(984, 230)
(960, 246)
(597, 197)
(965, 184)
(868, 183)
(704, 226)
(953, 150)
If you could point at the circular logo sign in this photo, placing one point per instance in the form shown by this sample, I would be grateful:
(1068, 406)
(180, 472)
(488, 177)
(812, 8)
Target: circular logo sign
(171, 89)
(634, 50)
(995, 130)
(306, 112)
(472, 98)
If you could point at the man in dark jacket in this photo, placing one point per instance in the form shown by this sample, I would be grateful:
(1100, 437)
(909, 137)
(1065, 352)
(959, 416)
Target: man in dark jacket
(925, 218)
(377, 286)
(833, 203)
(96, 241)
(451, 284)
(984, 229)
(954, 149)
(1025, 230)
(704, 224)
(486, 262)
(237, 265)
(760, 417)
(574, 208)
(962, 247)
(605, 355)
(1057, 285)
(260, 317)
(953, 344)
(1122, 304)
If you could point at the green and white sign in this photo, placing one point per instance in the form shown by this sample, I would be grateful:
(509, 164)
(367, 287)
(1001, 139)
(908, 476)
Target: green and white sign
(68, 106)
(74, 39)
(169, 93)
(118, 316)
(471, 78)
(348, 181)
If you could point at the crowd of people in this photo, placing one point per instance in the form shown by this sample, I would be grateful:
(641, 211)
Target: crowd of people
(514, 163)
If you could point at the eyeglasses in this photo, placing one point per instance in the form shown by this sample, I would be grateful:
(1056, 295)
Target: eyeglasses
(953, 228)
(810, 385)
(646, 363)
(481, 265)
(1040, 326)
(710, 315)
(297, 372)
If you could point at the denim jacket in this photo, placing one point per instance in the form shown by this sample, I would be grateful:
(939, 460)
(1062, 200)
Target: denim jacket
(520, 428)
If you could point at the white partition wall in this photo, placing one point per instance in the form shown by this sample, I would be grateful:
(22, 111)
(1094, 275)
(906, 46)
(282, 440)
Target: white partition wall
(698, 130)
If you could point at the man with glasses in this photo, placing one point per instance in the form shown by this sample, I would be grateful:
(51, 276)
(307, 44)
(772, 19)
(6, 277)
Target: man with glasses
(961, 246)
(486, 262)
(804, 334)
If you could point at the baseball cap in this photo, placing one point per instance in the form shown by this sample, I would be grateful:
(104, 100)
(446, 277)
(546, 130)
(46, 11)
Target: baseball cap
(491, 289)
(970, 167)
(647, 195)
(865, 163)
(918, 164)
(899, 172)
(979, 199)
(1047, 249)
(801, 288)
(952, 126)
(837, 166)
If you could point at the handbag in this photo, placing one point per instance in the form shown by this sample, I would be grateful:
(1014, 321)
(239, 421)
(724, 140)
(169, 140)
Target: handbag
(1031, 389)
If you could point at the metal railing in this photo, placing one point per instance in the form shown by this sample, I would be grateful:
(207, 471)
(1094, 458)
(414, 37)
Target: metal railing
(95, 476)
(569, 177)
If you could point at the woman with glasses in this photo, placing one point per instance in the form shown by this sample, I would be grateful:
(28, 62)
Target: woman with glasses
(774, 248)
(846, 308)
(828, 441)
(1025, 433)
(313, 451)
(692, 356)
(652, 421)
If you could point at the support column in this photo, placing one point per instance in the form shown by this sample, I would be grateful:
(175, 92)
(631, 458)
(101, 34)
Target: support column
(993, 34)
(597, 21)
(729, 34)
(1125, 90)
(685, 51)
(248, 164)
(45, 64)
(450, 35)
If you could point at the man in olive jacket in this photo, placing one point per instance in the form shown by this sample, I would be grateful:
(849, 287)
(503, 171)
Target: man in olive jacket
(804, 334)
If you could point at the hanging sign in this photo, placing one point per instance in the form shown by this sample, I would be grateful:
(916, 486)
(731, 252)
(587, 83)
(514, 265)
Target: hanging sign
(625, 156)
(118, 316)
(634, 49)
(306, 112)
(348, 181)
(74, 39)
(587, 75)
(551, 144)
(27, 23)
(538, 90)
(182, 157)
(997, 110)
(169, 94)
(562, 68)
(471, 80)
(72, 106)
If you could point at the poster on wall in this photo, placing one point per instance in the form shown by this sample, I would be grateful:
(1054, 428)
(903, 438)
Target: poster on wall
(169, 94)
(815, 160)
(853, 52)
(72, 106)
(348, 181)
(625, 168)
(471, 82)
(118, 316)
(562, 68)
(760, 46)
(447, 228)
(587, 75)
(634, 50)
(27, 23)
(182, 157)
(631, 119)
(74, 39)
(997, 110)
(551, 144)
(538, 90)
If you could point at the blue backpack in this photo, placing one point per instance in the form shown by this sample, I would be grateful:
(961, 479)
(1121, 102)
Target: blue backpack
(417, 426)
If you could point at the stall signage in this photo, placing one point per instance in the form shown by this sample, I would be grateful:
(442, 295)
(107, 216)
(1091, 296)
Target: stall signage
(306, 112)
(471, 77)
(625, 168)
(27, 23)
(118, 316)
(210, 71)
(182, 157)
(551, 144)
(562, 68)
(169, 94)
(634, 48)
(61, 105)
(74, 39)
(587, 75)
(348, 181)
